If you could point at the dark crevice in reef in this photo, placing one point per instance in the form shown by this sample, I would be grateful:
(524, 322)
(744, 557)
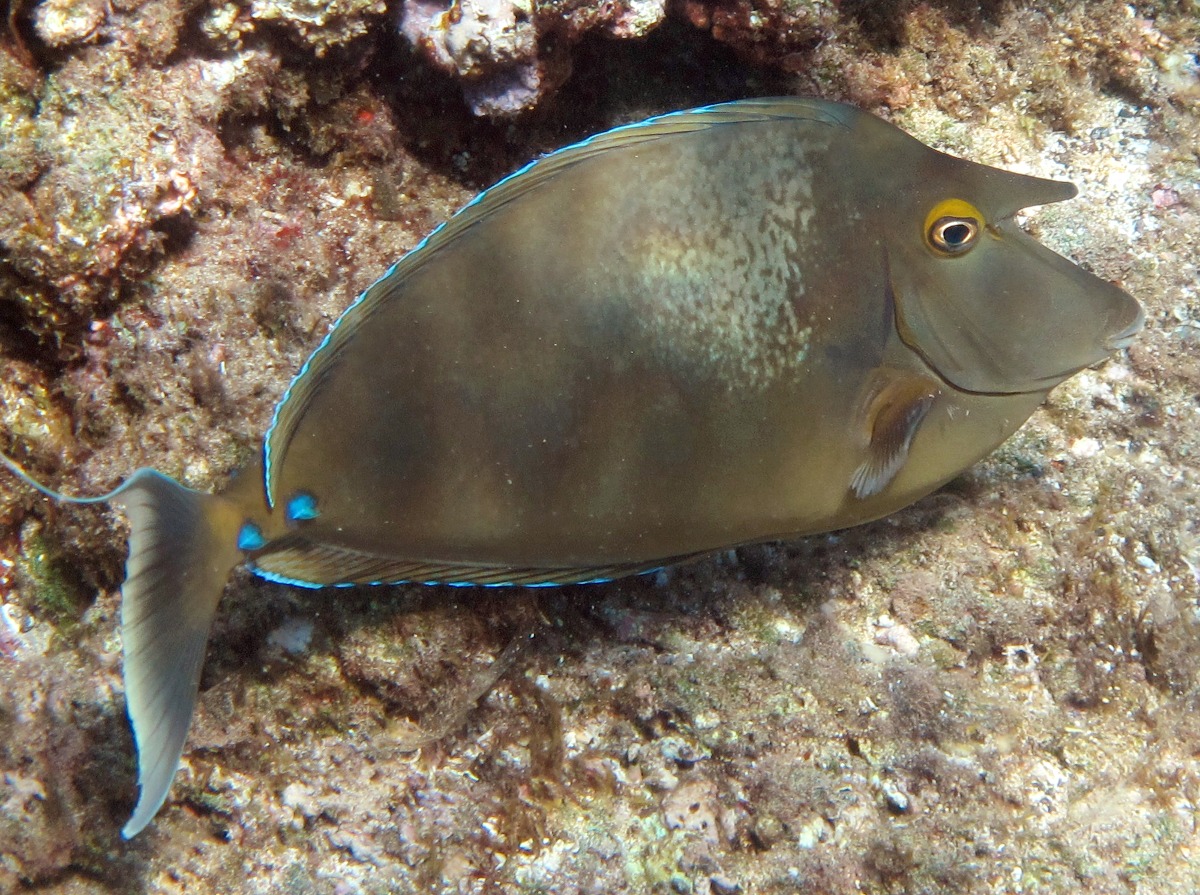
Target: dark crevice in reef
(611, 82)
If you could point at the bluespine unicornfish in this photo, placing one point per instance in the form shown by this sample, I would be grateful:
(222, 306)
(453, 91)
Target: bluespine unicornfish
(744, 322)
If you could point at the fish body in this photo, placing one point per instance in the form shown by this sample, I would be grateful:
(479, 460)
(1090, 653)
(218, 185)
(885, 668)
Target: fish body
(750, 321)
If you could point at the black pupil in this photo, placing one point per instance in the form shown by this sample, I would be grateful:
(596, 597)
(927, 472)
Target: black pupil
(956, 235)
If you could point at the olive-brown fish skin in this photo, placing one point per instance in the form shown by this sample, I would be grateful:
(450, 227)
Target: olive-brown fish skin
(756, 320)
(663, 349)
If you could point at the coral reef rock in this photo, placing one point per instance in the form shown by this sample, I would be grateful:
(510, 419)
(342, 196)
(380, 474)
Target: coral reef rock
(511, 53)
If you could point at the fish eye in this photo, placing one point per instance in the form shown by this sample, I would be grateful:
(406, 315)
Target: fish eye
(953, 235)
(952, 227)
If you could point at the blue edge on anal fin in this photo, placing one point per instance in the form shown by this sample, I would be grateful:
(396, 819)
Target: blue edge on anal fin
(296, 582)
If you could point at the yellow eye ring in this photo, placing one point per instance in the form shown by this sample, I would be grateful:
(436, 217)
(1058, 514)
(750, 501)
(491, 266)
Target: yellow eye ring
(953, 226)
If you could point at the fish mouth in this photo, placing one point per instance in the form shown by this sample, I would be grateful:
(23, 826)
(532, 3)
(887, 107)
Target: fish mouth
(1125, 337)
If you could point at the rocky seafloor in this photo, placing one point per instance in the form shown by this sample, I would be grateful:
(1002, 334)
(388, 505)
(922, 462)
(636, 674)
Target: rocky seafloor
(996, 690)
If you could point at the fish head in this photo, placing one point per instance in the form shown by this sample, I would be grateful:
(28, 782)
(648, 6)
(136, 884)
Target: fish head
(986, 305)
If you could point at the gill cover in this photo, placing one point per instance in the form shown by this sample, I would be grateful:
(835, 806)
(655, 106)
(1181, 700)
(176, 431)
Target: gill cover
(988, 307)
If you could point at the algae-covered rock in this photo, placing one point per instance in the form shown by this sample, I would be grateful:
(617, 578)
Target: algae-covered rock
(321, 24)
(510, 54)
(61, 22)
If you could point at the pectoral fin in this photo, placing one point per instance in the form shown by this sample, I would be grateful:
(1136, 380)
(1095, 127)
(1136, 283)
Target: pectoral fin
(893, 407)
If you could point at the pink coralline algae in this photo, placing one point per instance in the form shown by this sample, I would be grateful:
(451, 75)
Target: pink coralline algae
(490, 43)
(500, 48)
(1164, 196)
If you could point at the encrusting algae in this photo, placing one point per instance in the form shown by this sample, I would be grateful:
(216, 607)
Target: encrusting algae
(738, 323)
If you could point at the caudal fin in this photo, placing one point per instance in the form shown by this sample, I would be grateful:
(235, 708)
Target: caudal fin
(182, 547)
(181, 551)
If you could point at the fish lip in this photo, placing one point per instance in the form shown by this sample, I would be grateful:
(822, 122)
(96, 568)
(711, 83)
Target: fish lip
(1123, 339)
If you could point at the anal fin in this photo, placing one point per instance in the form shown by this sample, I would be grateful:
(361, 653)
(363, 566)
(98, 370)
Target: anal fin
(298, 561)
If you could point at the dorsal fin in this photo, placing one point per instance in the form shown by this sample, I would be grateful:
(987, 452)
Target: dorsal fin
(296, 399)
